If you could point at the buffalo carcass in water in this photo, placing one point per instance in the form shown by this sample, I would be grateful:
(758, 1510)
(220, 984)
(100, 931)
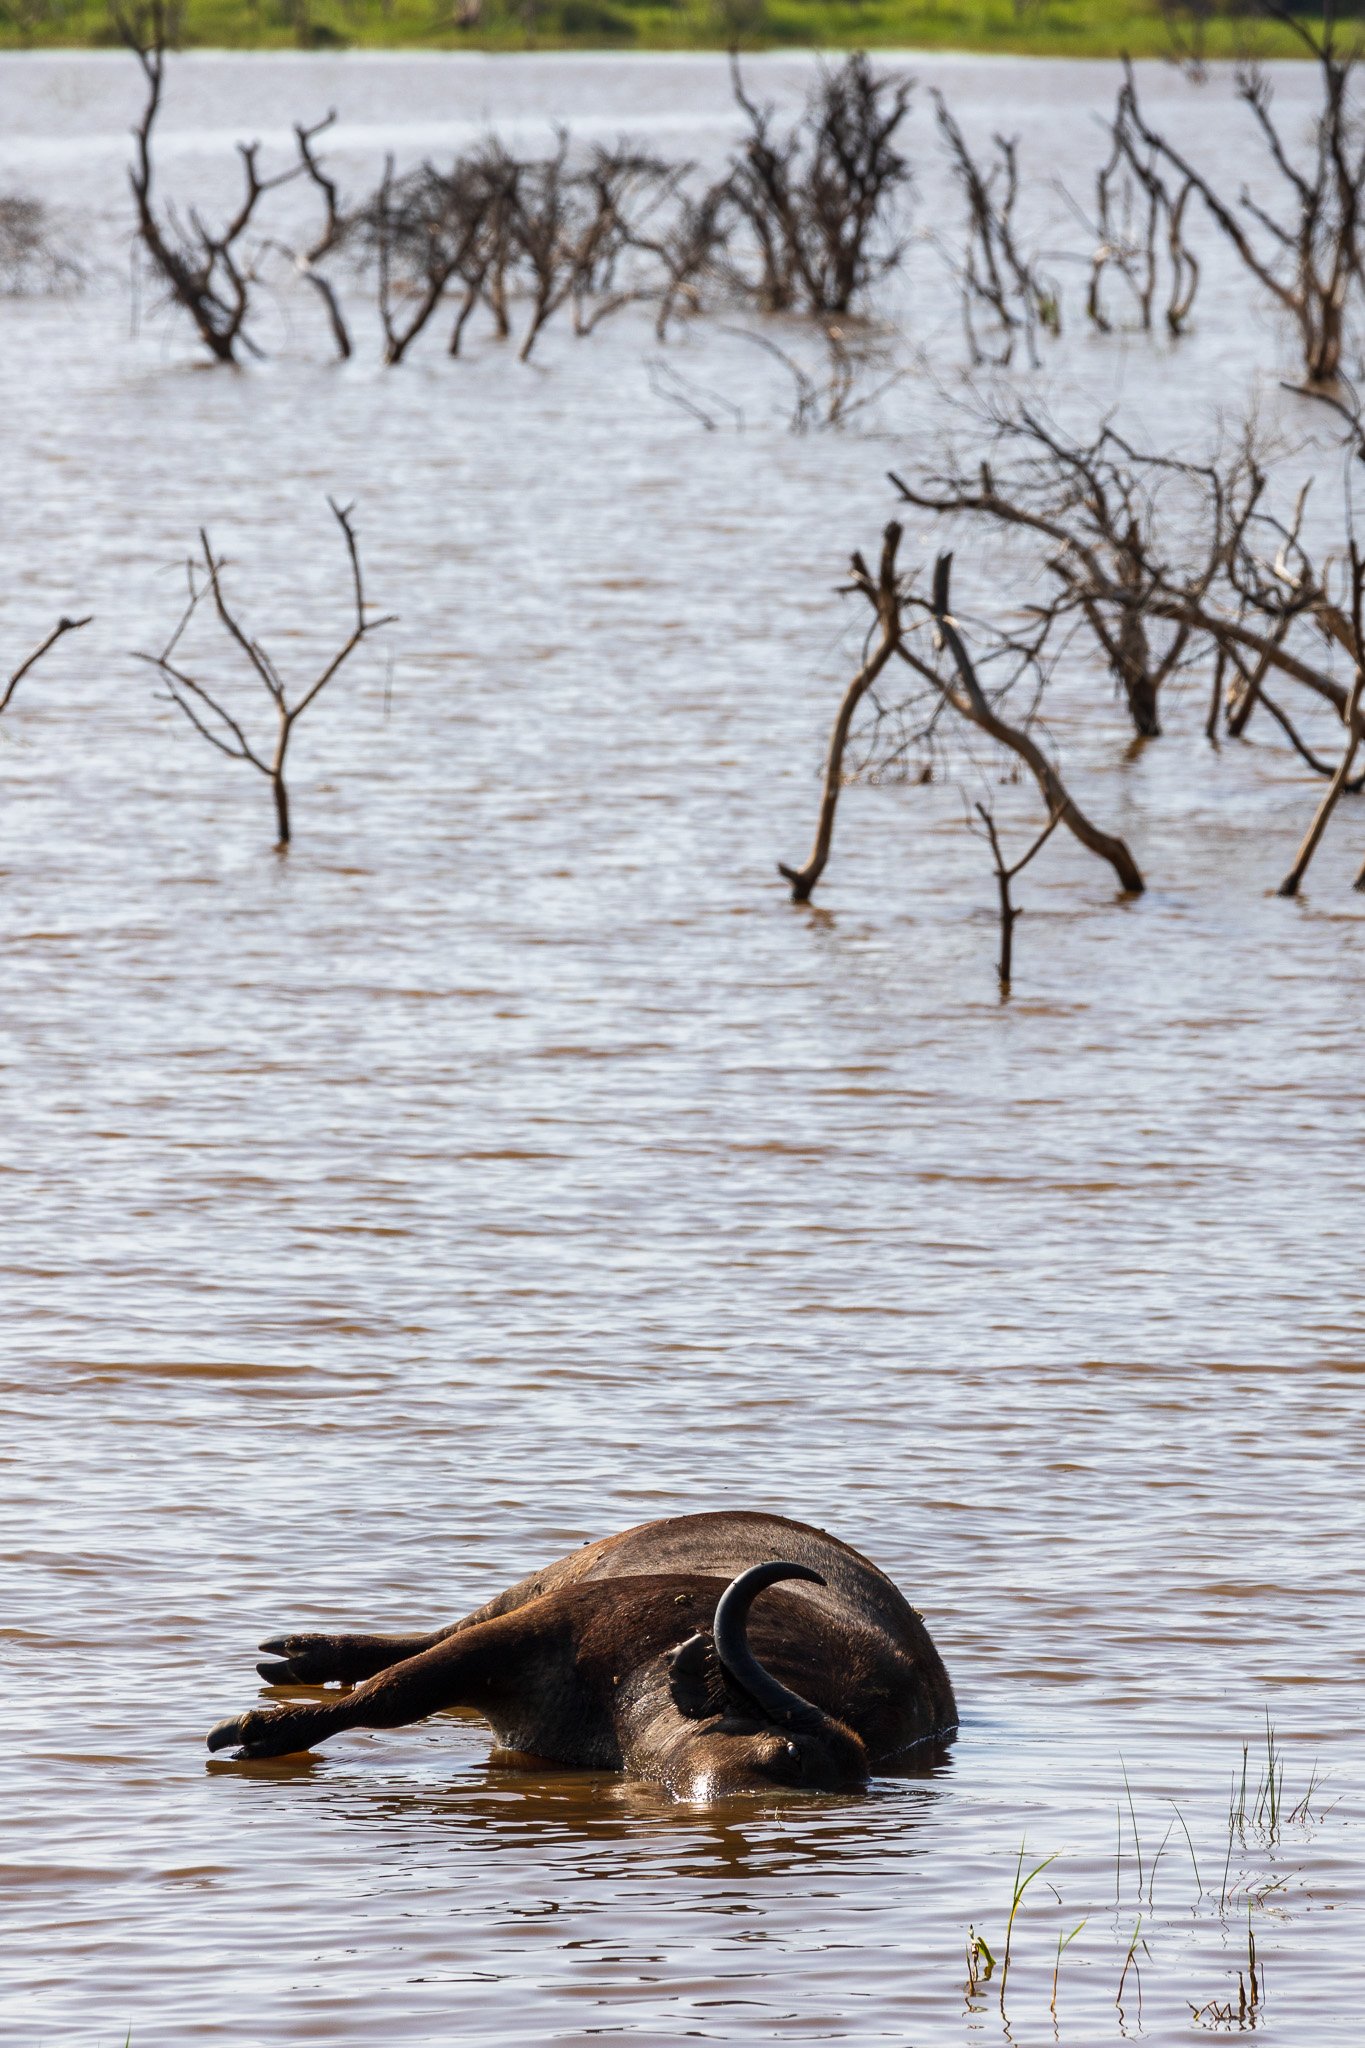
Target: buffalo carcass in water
(660, 1652)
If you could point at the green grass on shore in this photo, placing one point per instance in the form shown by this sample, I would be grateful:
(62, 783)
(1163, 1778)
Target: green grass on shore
(1044, 28)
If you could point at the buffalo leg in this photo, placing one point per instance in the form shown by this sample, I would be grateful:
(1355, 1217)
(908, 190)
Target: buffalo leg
(466, 1669)
(347, 1659)
(322, 1659)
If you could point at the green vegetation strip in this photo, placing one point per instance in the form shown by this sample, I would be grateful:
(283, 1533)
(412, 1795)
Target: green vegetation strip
(1041, 28)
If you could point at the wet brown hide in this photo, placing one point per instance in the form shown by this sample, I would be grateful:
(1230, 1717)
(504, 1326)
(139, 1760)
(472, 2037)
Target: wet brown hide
(574, 1664)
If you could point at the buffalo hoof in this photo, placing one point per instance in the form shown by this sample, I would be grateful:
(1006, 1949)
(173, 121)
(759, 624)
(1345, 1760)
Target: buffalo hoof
(306, 1660)
(227, 1732)
(257, 1735)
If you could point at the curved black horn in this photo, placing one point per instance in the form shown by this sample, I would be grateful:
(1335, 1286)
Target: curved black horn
(730, 1632)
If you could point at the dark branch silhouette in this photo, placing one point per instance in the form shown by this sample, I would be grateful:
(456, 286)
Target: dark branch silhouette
(203, 704)
(817, 195)
(900, 611)
(208, 271)
(993, 272)
(883, 593)
(1010, 911)
(1308, 255)
(26, 666)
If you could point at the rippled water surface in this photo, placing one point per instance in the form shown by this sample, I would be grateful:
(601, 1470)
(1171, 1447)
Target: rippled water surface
(512, 1162)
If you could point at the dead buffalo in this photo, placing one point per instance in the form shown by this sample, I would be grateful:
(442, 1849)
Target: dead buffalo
(640, 1653)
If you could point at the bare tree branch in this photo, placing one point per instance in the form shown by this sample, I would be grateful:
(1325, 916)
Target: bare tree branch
(1010, 911)
(884, 596)
(202, 706)
(17, 675)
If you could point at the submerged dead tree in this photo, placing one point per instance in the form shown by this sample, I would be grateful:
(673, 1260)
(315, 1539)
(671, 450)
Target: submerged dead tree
(817, 195)
(1138, 230)
(1308, 252)
(688, 244)
(994, 274)
(203, 705)
(1166, 562)
(34, 257)
(1094, 507)
(208, 271)
(921, 631)
(423, 231)
(546, 231)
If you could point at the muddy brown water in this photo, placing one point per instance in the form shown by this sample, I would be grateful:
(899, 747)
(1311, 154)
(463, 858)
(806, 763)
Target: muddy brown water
(513, 1163)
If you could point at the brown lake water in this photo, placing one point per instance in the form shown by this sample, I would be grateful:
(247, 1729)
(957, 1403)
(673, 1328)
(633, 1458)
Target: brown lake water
(513, 1162)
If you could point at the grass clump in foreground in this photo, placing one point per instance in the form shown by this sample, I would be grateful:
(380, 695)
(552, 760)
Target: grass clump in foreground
(1051, 28)
(1138, 1934)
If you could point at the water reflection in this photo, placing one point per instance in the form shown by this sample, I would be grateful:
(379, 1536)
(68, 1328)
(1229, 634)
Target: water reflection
(575, 1815)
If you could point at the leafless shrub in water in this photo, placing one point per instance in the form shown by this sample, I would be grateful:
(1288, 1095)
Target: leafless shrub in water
(1227, 579)
(625, 194)
(1308, 254)
(689, 243)
(545, 231)
(853, 370)
(34, 257)
(203, 704)
(1138, 230)
(1095, 507)
(995, 276)
(569, 232)
(817, 195)
(209, 271)
(424, 231)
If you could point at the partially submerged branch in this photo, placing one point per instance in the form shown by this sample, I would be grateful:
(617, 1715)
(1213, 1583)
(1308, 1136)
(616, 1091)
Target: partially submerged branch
(1010, 911)
(970, 699)
(994, 273)
(883, 593)
(329, 236)
(854, 374)
(25, 667)
(1311, 839)
(818, 195)
(208, 271)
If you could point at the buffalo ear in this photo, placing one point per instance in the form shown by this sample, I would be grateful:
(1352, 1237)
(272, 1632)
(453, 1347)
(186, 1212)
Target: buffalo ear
(698, 1681)
(695, 1678)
